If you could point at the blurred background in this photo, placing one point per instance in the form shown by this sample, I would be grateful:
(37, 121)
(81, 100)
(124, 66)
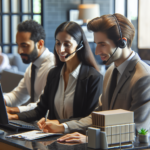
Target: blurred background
(51, 13)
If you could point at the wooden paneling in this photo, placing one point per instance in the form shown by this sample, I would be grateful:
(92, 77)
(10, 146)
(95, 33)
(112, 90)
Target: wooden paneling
(4, 146)
(144, 54)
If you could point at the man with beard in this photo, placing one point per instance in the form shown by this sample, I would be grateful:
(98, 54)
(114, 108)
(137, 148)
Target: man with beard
(30, 39)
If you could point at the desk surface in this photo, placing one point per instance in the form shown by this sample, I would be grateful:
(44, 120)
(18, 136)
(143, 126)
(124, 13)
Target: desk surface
(50, 143)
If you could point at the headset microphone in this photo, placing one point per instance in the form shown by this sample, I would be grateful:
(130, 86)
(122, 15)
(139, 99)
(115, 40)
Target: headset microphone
(122, 42)
(78, 48)
(104, 62)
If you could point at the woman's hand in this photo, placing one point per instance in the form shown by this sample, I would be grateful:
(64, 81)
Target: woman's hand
(73, 138)
(52, 126)
(41, 122)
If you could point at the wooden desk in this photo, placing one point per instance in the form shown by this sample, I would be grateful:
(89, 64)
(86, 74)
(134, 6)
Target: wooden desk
(4, 146)
(48, 143)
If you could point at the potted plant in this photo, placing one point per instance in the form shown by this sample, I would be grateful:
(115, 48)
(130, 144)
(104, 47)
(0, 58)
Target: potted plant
(143, 135)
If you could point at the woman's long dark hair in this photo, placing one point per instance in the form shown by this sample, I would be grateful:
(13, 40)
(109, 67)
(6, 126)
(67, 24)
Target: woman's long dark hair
(85, 55)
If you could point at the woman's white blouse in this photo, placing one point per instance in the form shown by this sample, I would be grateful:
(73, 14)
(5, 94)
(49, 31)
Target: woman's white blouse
(64, 98)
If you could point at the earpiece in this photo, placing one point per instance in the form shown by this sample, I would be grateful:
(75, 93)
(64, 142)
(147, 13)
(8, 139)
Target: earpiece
(122, 42)
(80, 46)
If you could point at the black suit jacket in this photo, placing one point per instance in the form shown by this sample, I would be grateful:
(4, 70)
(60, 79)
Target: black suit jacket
(88, 90)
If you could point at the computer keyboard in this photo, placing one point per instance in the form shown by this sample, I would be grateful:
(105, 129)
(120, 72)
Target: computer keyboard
(22, 124)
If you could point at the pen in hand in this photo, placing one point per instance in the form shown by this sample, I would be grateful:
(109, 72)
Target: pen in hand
(46, 117)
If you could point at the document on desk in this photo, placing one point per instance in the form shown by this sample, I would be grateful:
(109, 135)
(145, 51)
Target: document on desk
(32, 135)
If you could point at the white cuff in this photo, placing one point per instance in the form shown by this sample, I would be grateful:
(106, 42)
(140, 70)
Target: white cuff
(29, 107)
(66, 128)
(22, 108)
(8, 101)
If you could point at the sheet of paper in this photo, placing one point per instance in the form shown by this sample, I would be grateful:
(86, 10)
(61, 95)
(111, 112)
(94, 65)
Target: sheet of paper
(32, 135)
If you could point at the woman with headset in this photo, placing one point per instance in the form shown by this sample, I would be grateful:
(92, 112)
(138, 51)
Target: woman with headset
(74, 85)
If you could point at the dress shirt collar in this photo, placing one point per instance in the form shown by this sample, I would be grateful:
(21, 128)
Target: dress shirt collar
(74, 73)
(123, 66)
(39, 60)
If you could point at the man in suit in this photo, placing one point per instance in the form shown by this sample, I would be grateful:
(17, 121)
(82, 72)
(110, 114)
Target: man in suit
(30, 39)
(127, 81)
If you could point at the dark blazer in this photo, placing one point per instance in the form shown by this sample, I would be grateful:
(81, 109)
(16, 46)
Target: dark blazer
(88, 90)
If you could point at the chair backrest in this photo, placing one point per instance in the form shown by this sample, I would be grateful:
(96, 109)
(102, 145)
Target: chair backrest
(9, 80)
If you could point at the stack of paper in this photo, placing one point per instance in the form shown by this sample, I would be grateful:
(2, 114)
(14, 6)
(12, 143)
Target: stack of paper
(118, 124)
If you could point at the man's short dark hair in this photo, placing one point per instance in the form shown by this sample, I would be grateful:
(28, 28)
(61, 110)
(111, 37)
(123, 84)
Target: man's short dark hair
(37, 31)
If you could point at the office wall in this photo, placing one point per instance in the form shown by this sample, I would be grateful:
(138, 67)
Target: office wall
(144, 29)
(56, 11)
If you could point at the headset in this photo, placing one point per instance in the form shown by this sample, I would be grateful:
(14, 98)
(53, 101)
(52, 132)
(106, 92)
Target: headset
(79, 47)
(122, 42)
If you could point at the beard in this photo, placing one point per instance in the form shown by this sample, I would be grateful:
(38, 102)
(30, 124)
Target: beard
(30, 57)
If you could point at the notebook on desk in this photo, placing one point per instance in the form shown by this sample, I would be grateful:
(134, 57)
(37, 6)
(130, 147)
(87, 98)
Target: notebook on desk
(32, 135)
(13, 124)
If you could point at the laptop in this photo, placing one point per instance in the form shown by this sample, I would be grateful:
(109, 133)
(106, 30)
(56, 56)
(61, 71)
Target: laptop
(13, 124)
